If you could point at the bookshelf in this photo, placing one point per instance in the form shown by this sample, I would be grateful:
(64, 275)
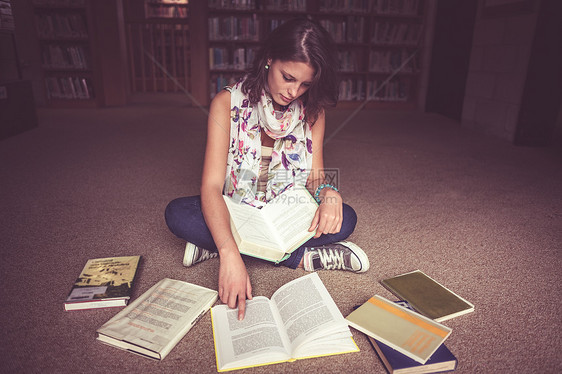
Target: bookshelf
(205, 45)
(164, 9)
(9, 66)
(234, 29)
(158, 44)
(63, 30)
(81, 44)
(374, 38)
(17, 107)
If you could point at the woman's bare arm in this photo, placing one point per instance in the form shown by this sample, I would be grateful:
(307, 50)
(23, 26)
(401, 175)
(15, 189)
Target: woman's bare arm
(234, 283)
(329, 216)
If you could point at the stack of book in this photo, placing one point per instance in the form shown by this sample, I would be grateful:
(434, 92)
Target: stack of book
(407, 335)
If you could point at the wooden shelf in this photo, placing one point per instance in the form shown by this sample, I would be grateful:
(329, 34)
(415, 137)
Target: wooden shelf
(218, 44)
(357, 32)
(63, 30)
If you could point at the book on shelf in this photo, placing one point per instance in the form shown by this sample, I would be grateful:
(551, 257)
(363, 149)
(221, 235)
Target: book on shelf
(396, 89)
(232, 4)
(394, 7)
(406, 331)
(300, 320)
(427, 296)
(392, 33)
(61, 57)
(244, 28)
(6, 16)
(103, 282)
(283, 5)
(274, 230)
(166, 9)
(222, 58)
(154, 323)
(68, 88)
(60, 3)
(64, 26)
(388, 61)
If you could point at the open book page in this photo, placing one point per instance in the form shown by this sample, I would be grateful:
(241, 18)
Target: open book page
(255, 340)
(291, 214)
(155, 322)
(251, 224)
(309, 314)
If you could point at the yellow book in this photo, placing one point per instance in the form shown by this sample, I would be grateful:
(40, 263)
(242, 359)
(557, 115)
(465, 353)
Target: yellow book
(301, 320)
(408, 332)
(103, 282)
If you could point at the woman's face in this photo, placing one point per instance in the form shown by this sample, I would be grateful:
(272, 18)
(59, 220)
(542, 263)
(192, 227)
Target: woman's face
(288, 80)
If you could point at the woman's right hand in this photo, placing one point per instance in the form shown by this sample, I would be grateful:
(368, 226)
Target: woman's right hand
(234, 282)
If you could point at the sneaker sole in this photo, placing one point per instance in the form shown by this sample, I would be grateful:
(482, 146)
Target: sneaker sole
(361, 255)
(188, 254)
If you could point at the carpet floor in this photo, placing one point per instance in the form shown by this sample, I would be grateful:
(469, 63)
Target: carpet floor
(478, 214)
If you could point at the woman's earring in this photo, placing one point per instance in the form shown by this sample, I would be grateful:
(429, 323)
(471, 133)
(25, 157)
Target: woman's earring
(267, 67)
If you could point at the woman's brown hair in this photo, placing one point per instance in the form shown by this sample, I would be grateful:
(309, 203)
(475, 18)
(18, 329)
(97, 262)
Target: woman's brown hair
(299, 40)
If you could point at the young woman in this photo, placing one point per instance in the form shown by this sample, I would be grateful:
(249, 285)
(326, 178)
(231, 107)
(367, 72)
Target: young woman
(265, 134)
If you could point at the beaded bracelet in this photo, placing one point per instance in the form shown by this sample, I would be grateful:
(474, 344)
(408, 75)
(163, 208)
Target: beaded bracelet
(320, 188)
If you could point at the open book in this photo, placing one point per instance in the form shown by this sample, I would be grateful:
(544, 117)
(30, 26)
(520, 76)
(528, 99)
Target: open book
(301, 320)
(155, 322)
(277, 228)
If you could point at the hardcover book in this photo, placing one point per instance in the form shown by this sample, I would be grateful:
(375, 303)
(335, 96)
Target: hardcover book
(398, 363)
(301, 320)
(103, 282)
(155, 322)
(273, 230)
(427, 296)
(408, 332)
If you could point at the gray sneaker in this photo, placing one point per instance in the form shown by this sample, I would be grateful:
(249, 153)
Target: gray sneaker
(337, 256)
(193, 254)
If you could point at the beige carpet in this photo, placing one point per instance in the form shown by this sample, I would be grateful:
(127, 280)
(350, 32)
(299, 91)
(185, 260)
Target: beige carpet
(478, 214)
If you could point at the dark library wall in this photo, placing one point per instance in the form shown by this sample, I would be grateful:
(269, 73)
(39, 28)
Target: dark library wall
(542, 96)
(454, 26)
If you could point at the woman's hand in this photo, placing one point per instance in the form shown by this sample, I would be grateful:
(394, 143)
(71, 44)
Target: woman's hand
(329, 215)
(234, 282)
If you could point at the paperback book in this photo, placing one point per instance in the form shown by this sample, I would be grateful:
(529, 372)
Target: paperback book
(103, 282)
(301, 320)
(408, 332)
(427, 296)
(397, 363)
(156, 321)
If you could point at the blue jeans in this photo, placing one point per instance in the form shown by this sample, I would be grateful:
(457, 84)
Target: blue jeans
(185, 219)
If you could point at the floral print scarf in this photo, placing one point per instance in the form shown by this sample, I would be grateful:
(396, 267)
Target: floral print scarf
(291, 158)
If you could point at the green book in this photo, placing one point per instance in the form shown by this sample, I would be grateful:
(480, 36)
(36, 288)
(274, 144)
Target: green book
(427, 296)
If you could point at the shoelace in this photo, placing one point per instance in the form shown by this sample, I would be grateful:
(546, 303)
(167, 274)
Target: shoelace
(331, 259)
(205, 255)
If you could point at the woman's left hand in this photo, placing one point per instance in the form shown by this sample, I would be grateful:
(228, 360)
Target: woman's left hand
(329, 215)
